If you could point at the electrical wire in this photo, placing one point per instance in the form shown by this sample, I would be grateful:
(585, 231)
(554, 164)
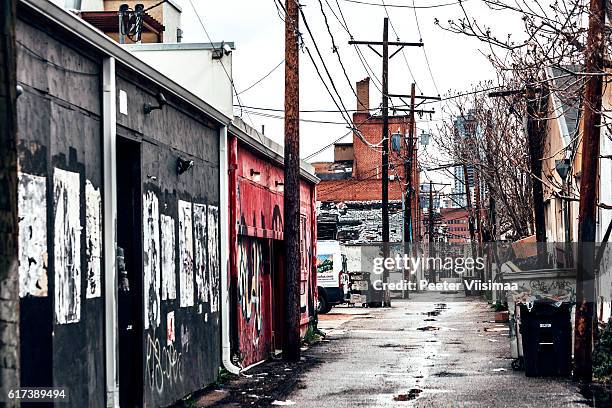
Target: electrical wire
(367, 3)
(262, 78)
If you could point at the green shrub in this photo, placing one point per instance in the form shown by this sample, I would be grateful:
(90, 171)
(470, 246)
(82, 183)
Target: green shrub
(602, 354)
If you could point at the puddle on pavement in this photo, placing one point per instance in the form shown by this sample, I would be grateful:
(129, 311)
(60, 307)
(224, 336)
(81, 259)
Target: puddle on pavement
(397, 346)
(448, 374)
(412, 394)
(440, 306)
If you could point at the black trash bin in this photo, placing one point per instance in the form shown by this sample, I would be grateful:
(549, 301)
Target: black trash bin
(547, 339)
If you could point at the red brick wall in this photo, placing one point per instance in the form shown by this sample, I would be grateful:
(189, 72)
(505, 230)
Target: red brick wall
(355, 190)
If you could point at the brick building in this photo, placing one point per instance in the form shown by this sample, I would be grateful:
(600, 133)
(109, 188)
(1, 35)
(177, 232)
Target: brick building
(353, 181)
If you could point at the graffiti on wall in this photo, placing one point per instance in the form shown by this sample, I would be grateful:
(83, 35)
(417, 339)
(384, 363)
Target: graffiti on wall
(93, 229)
(201, 275)
(152, 279)
(250, 270)
(167, 258)
(186, 253)
(163, 364)
(213, 257)
(170, 334)
(32, 207)
(67, 246)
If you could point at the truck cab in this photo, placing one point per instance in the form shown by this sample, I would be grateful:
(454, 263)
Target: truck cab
(331, 275)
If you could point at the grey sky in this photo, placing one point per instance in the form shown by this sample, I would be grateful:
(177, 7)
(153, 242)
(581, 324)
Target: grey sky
(258, 33)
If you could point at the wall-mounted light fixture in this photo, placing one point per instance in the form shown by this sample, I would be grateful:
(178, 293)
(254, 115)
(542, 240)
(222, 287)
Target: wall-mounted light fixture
(183, 165)
(563, 167)
(255, 175)
(161, 101)
(19, 90)
(218, 53)
(280, 186)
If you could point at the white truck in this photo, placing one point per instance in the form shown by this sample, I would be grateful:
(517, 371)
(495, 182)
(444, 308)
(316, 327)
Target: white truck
(331, 275)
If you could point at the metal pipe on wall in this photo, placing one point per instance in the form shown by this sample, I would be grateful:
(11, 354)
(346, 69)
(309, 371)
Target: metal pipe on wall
(109, 134)
(225, 251)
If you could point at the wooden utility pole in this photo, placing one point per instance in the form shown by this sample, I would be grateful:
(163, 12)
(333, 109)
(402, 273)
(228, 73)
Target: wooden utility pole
(535, 135)
(291, 200)
(408, 165)
(585, 276)
(9, 227)
(385, 114)
(468, 205)
(409, 162)
(385, 132)
(431, 220)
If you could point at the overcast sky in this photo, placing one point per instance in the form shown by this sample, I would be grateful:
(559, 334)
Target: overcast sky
(258, 33)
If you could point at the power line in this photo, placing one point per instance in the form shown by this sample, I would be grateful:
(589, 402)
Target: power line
(262, 78)
(335, 49)
(367, 3)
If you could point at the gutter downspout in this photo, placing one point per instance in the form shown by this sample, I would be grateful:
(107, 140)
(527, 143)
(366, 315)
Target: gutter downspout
(109, 152)
(225, 207)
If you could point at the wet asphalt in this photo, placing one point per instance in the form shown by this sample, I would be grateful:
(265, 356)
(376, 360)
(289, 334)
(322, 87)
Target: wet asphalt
(429, 351)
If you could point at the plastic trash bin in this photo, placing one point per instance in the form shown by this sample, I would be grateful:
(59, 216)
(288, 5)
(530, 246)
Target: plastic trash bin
(546, 332)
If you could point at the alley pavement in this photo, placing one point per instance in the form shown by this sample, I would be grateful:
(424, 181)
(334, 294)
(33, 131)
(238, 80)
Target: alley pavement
(429, 351)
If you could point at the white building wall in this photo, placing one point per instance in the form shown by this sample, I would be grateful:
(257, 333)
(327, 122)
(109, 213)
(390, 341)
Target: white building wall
(191, 65)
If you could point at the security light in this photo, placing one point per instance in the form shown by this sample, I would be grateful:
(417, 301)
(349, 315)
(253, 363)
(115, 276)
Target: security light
(161, 101)
(280, 186)
(183, 165)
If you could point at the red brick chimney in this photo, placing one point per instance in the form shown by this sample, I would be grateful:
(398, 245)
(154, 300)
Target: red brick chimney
(363, 95)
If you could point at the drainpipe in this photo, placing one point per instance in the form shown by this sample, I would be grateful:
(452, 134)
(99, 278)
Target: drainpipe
(225, 207)
(109, 134)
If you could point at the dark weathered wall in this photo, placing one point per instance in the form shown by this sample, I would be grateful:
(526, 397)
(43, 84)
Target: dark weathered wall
(60, 215)
(181, 337)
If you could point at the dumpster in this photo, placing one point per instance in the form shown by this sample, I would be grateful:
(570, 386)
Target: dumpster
(546, 332)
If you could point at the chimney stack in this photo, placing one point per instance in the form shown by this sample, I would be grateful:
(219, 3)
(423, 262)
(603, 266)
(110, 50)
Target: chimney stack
(363, 95)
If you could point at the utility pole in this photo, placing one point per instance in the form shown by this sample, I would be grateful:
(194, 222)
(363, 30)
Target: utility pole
(535, 134)
(385, 113)
(585, 276)
(468, 201)
(385, 132)
(479, 223)
(9, 227)
(291, 198)
(536, 105)
(408, 164)
(432, 273)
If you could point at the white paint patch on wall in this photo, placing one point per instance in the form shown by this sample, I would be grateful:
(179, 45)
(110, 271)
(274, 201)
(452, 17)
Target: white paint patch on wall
(167, 258)
(186, 253)
(93, 230)
(201, 276)
(67, 246)
(213, 257)
(152, 279)
(33, 256)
